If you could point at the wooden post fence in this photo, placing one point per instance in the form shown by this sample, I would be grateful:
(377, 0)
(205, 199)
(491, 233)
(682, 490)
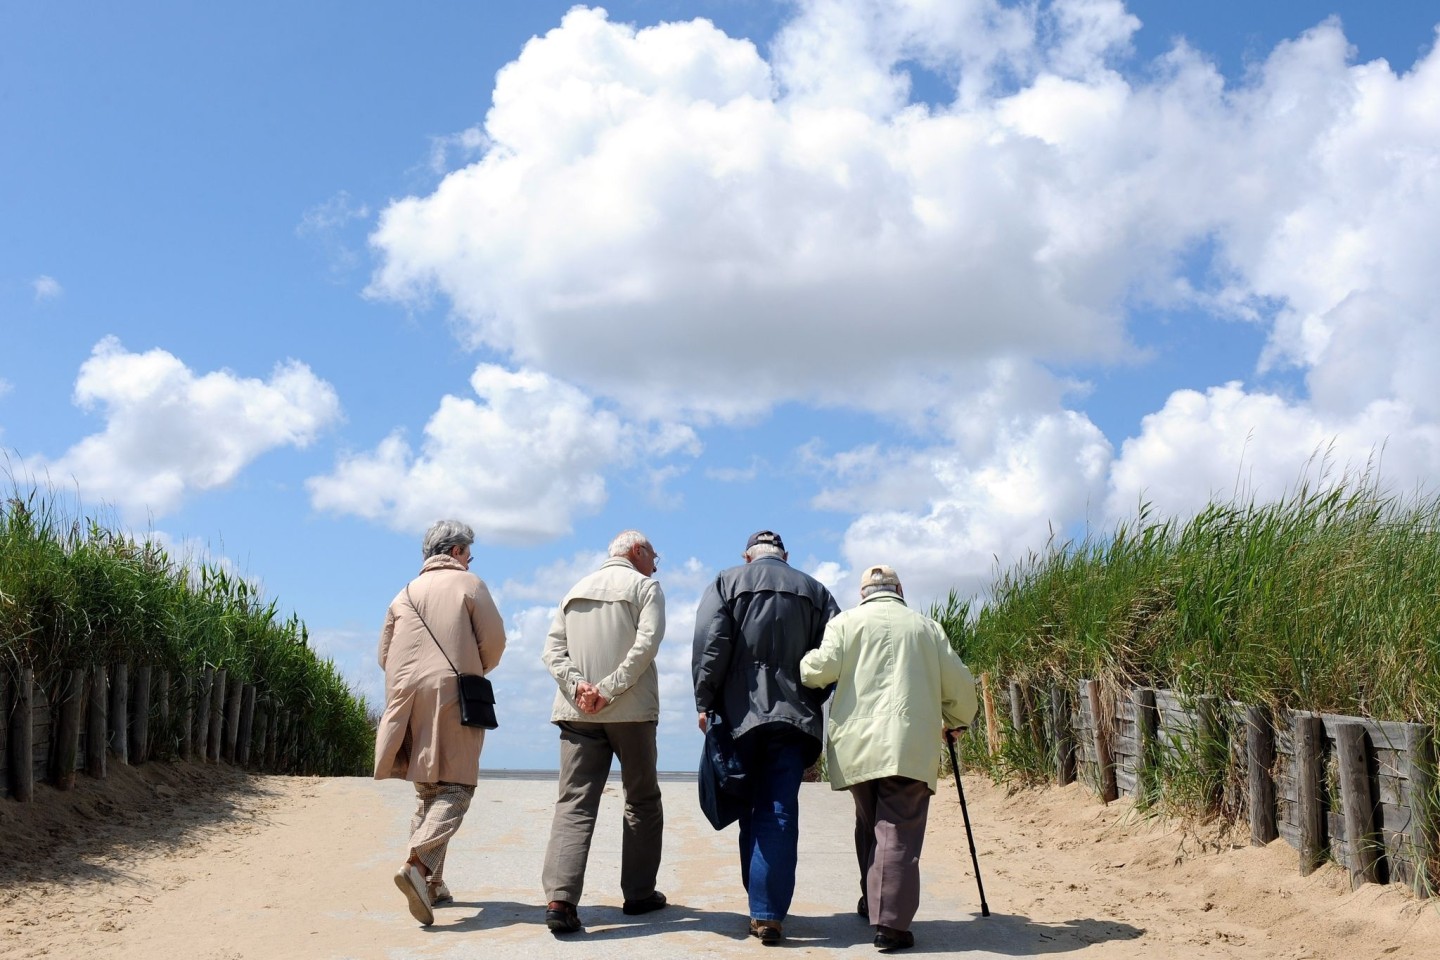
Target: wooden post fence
(1104, 759)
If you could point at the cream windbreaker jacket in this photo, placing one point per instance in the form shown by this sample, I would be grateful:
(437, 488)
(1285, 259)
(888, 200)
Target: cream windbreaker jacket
(897, 685)
(607, 632)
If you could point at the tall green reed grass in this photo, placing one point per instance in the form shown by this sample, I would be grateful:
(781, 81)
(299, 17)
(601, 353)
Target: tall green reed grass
(1327, 599)
(75, 593)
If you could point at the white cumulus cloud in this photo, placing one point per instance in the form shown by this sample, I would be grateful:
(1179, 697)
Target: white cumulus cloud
(170, 432)
(517, 462)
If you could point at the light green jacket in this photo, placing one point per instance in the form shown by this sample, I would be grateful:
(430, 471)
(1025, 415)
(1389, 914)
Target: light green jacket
(898, 684)
(607, 631)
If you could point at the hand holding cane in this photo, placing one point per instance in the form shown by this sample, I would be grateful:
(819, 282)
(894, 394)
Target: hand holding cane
(969, 835)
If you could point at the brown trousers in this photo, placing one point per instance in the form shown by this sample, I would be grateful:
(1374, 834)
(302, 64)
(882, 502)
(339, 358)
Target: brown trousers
(586, 750)
(890, 816)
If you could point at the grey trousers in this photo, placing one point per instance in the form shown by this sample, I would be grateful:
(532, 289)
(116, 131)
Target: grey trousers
(890, 816)
(585, 753)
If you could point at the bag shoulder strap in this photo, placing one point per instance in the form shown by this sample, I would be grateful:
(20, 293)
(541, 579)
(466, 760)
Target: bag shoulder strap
(410, 601)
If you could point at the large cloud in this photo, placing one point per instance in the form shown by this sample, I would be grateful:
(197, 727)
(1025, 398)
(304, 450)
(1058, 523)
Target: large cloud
(170, 432)
(652, 195)
(744, 231)
(518, 462)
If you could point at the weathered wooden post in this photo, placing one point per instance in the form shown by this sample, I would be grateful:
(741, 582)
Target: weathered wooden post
(97, 721)
(22, 736)
(4, 737)
(67, 731)
(1017, 708)
(1211, 747)
(187, 716)
(272, 745)
(1259, 760)
(166, 737)
(247, 721)
(140, 715)
(1063, 734)
(1147, 735)
(1104, 759)
(1358, 803)
(1420, 771)
(203, 696)
(1309, 734)
(232, 719)
(120, 712)
(262, 730)
(992, 722)
(217, 717)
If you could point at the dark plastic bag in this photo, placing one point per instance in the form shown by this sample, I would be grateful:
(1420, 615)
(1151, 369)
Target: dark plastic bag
(723, 785)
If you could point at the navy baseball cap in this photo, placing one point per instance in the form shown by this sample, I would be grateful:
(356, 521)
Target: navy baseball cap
(765, 536)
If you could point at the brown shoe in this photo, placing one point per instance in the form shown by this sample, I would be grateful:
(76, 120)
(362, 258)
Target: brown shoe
(767, 930)
(561, 917)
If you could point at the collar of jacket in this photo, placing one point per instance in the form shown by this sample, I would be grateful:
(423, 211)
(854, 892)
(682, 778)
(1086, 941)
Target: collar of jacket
(884, 595)
(442, 561)
(618, 562)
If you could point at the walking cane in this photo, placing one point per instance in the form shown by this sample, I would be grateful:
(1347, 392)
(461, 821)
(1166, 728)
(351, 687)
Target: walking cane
(969, 835)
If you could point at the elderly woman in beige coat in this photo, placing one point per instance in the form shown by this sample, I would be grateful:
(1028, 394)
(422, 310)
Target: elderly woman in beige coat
(420, 737)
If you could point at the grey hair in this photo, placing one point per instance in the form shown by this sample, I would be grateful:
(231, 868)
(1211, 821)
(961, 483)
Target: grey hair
(764, 550)
(445, 534)
(874, 588)
(627, 541)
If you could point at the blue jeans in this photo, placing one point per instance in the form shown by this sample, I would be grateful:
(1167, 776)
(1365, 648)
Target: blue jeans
(770, 827)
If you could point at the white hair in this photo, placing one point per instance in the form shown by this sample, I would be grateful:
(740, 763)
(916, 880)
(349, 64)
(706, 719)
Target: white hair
(444, 535)
(764, 550)
(627, 541)
(875, 588)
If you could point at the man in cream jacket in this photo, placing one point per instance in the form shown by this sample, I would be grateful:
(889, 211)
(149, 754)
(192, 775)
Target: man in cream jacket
(898, 684)
(601, 652)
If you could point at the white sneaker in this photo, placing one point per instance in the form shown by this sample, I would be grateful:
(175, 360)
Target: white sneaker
(439, 893)
(413, 886)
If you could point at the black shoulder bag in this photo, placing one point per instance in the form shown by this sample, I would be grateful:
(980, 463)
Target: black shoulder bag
(477, 696)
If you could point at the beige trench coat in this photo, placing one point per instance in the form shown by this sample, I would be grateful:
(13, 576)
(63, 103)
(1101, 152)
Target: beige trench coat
(420, 737)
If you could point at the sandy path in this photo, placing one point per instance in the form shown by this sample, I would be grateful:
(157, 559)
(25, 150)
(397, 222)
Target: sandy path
(282, 867)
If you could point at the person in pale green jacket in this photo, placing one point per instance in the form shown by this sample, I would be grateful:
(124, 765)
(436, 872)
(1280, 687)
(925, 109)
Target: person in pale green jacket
(898, 687)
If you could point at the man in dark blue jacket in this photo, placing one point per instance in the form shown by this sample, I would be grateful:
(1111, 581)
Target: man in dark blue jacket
(754, 624)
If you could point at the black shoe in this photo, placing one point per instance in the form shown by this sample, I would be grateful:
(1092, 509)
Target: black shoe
(633, 908)
(863, 907)
(560, 917)
(767, 930)
(888, 939)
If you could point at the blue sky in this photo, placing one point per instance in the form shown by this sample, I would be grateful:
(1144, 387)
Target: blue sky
(909, 282)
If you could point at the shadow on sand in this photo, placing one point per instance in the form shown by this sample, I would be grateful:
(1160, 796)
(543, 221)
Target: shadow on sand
(1010, 935)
